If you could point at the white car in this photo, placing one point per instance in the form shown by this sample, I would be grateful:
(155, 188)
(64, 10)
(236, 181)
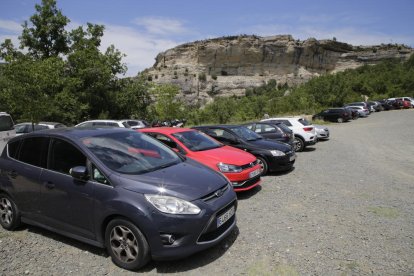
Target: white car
(104, 123)
(322, 132)
(135, 124)
(6, 129)
(305, 133)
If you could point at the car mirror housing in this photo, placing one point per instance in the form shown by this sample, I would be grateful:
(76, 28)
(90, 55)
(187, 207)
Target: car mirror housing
(79, 172)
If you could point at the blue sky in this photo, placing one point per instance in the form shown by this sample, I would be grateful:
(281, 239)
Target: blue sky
(142, 29)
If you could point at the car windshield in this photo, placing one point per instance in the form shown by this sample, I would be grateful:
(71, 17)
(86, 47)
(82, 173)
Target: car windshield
(196, 141)
(246, 133)
(131, 152)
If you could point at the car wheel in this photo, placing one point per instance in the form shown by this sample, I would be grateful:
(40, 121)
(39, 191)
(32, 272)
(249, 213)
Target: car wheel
(300, 144)
(263, 165)
(340, 120)
(9, 214)
(126, 244)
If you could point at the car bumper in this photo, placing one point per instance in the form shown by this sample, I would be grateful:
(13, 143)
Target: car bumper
(192, 233)
(246, 179)
(283, 163)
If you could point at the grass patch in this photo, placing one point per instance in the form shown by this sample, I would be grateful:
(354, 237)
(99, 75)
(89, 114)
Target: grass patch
(385, 212)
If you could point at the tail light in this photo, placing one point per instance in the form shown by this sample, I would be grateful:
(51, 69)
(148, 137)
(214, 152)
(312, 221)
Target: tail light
(307, 128)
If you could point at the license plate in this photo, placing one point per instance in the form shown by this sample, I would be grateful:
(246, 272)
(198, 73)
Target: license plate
(292, 158)
(254, 173)
(225, 217)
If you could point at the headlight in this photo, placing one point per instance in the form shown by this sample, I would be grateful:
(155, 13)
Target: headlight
(172, 205)
(228, 168)
(277, 153)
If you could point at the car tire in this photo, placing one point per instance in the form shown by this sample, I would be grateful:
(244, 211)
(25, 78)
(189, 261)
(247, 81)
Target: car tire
(126, 244)
(300, 144)
(9, 213)
(263, 164)
(340, 120)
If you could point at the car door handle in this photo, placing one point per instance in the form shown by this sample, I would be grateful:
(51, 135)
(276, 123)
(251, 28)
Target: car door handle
(49, 185)
(13, 174)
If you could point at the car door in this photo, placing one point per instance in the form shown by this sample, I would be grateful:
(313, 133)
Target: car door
(27, 160)
(67, 203)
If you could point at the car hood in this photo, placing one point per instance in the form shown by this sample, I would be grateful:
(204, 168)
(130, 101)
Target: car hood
(225, 154)
(187, 180)
(270, 145)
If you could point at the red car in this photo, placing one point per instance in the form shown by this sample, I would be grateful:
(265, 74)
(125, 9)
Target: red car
(240, 167)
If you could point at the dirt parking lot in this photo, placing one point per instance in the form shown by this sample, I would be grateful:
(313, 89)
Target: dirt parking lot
(346, 209)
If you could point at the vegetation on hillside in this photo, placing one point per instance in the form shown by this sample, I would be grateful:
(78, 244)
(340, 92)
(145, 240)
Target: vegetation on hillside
(61, 75)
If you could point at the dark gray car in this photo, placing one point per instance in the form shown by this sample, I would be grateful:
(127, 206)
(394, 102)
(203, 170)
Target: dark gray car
(115, 188)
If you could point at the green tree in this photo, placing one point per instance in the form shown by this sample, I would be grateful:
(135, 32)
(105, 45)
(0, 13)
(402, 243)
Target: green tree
(46, 35)
(167, 105)
(134, 100)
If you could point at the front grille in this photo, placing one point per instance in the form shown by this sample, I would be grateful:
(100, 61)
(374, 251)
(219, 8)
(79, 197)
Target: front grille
(216, 193)
(212, 232)
(250, 165)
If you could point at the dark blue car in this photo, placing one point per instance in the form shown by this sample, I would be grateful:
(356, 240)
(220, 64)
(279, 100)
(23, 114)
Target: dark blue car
(115, 188)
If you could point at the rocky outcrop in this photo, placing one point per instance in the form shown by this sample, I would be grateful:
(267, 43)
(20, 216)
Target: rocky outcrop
(227, 66)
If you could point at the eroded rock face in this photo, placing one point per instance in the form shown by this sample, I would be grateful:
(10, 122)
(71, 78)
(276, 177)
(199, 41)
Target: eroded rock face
(227, 66)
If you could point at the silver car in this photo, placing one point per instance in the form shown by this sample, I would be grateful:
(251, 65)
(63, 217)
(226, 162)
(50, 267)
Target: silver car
(322, 132)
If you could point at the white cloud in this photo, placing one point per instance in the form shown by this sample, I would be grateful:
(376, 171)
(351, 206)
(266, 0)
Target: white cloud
(10, 26)
(141, 48)
(161, 26)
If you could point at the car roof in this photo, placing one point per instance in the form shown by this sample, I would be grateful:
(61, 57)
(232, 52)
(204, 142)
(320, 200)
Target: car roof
(73, 133)
(219, 126)
(283, 118)
(166, 130)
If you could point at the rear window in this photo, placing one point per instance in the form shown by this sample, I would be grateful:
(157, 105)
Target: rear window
(6, 123)
(304, 122)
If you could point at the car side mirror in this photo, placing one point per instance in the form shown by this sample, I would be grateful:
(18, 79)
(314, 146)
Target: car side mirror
(79, 173)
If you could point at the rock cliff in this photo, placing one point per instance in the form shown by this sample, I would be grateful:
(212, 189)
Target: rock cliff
(227, 66)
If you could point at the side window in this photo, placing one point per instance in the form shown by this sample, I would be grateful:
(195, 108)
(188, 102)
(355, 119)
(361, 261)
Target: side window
(98, 176)
(268, 128)
(34, 151)
(64, 156)
(13, 149)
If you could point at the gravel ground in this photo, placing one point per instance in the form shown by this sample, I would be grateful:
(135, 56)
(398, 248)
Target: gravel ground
(346, 209)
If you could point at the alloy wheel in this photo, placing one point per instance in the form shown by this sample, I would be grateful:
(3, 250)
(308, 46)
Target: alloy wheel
(6, 211)
(124, 244)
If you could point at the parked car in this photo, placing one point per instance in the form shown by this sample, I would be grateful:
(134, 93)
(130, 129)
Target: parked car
(7, 130)
(274, 131)
(24, 128)
(136, 124)
(272, 156)
(339, 115)
(376, 106)
(404, 102)
(363, 104)
(240, 167)
(386, 105)
(115, 188)
(103, 123)
(305, 134)
(363, 112)
(322, 132)
(353, 112)
(52, 124)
